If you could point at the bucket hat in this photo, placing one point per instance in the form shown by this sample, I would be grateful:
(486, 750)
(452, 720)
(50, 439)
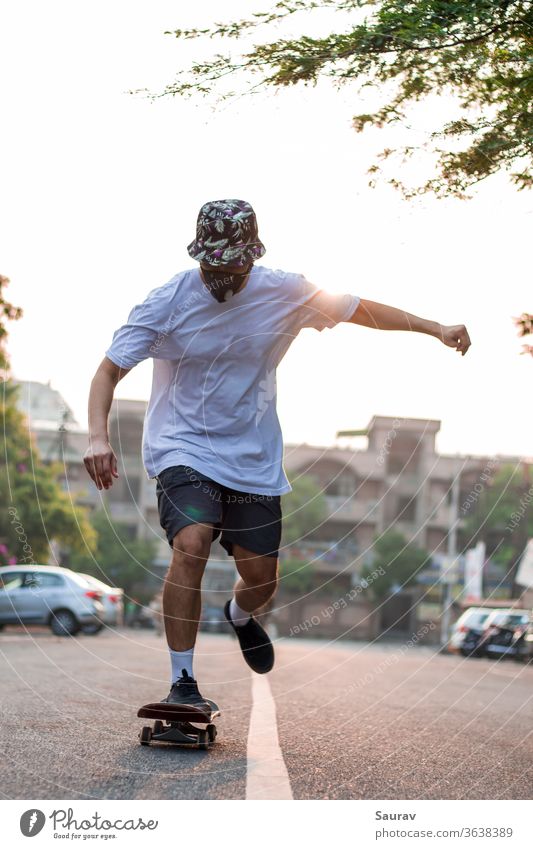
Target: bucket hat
(226, 234)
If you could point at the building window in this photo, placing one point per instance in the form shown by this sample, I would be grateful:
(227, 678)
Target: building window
(406, 508)
(343, 484)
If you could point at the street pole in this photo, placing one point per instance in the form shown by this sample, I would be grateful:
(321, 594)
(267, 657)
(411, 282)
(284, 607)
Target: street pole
(451, 558)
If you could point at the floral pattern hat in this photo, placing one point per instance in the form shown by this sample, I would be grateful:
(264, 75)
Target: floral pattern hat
(226, 234)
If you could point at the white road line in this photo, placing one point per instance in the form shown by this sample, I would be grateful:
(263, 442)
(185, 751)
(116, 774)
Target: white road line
(266, 773)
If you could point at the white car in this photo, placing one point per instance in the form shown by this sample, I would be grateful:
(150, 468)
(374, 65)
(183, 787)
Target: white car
(48, 595)
(113, 601)
(470, 623)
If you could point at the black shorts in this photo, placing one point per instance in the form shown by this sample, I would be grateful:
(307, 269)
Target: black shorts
(185, 497)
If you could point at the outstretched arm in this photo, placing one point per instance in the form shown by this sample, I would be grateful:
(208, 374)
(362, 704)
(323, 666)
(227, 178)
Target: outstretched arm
(383, 317)
(100, 459)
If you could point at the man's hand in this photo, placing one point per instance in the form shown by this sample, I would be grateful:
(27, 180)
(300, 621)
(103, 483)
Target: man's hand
(456, 336)
(101, 463)
(99, 459)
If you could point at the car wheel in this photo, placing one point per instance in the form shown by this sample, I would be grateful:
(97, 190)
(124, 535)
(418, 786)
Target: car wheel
(64, 624)
(470, 652)
(92, 629)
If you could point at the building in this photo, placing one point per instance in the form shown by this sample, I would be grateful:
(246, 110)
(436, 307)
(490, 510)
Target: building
(395, 479)
(58, 436)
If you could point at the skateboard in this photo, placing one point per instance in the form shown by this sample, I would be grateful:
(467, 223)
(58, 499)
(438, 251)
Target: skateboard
(176, 724)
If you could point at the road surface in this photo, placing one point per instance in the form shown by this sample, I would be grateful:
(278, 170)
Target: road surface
(332, 721)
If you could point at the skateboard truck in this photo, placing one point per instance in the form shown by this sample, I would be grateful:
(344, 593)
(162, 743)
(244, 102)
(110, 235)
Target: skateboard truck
(176, 724)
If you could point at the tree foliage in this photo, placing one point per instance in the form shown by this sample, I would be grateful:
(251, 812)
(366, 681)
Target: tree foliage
(478, 51)
(8, 312)
(117, 559)
(304, 510)
(36, 510)
(524, 325)
(400, 561)
(503, 517)
(296, 576)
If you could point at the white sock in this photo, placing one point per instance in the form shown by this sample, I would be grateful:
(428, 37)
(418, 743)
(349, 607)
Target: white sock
(237, 614)
(179, 661)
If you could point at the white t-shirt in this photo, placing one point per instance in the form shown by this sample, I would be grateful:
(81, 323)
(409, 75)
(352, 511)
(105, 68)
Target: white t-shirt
(213, 400)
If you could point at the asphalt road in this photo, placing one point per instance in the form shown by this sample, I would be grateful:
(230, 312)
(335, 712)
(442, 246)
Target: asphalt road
(354, 721)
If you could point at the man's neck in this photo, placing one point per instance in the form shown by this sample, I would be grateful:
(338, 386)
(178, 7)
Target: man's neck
(223, 280)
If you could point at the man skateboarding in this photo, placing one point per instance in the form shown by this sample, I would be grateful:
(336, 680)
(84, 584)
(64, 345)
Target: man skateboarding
(212, 439)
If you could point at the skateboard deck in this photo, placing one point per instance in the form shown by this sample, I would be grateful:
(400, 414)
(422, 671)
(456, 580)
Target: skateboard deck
(175, 724)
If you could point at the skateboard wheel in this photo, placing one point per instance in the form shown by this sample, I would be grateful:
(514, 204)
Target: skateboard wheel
(145, 736)
(158, 727)
(203, 740)
(211, 732)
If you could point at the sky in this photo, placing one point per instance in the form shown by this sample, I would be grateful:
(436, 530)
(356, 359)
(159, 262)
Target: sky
(101, 188)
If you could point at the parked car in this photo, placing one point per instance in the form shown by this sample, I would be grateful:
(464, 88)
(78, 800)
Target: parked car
(468, 629)
(156, 610)
(139, 616)
(48, 595)
(498, 638)
(523, 642)
(213, 620)
(113, 601)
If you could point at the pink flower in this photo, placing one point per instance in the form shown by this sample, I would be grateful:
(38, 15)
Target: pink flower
(12, 561)
(3, 549)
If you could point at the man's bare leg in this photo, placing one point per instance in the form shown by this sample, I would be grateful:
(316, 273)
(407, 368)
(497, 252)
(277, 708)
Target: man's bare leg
(256, 585)
(258, 578)
(182, 605)
(182, 602)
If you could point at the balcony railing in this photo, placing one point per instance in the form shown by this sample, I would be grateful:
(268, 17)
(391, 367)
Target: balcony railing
(350, 508)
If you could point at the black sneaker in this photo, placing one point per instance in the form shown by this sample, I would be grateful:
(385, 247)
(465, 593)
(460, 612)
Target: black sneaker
(255, 643)
(185, 692)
